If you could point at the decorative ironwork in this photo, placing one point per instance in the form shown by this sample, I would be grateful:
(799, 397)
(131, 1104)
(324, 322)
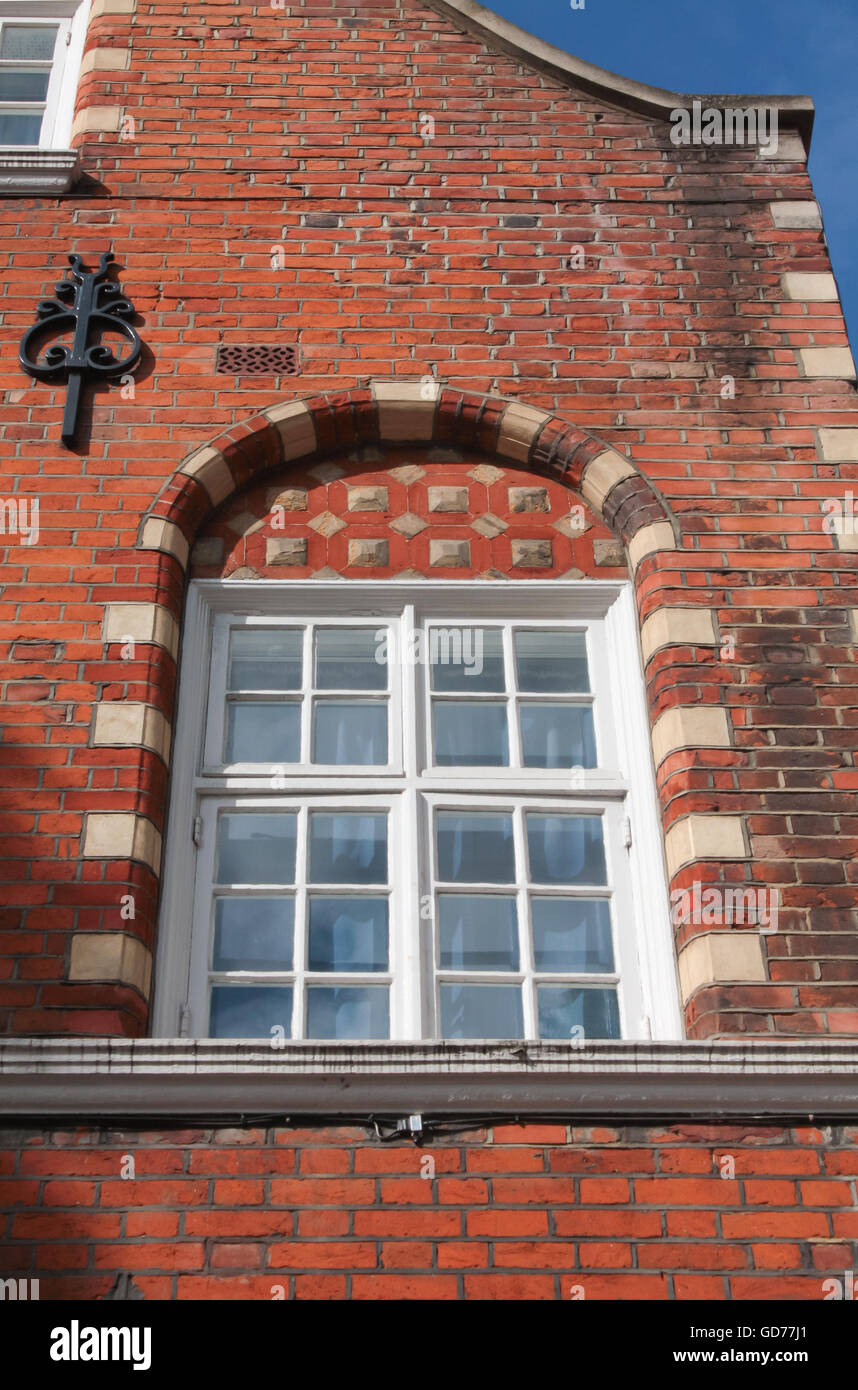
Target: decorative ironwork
(256, 359)
(88, 305)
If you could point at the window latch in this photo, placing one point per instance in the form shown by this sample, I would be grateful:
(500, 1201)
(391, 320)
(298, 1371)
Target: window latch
(627, 833)
(197, 831)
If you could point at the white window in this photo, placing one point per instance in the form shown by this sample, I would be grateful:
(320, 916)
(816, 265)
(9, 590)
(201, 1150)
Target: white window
(40, 51)
(420, 811)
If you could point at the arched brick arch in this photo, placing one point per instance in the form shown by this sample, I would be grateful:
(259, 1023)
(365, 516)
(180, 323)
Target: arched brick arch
(678, 627)
(421, 414)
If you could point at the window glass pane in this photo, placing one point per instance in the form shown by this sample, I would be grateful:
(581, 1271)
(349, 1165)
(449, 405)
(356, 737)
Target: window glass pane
(263, 733)
(349, 1012)
(17, 129)
(566, 1012)
(557, 735)
(265, 659)
(481, 1011)
(351, 658)
(348, 848)
(256, 848)
(34, 42)
(475, 848)
(477, 932)
(348, 933)
(23, 86)
(253, 934)
(466, 659)
(565, 849)
(250, 1011)
(350, 733)
(548, 662)
(470, 733)
(572, 934)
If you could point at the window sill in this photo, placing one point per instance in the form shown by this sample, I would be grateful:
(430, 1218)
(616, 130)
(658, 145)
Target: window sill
(167, 1077)
(26, 171)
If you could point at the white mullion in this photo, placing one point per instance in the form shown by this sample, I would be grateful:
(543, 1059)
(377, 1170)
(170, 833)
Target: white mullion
(516, 760)
(525, 945)
(302, 921)
(308, 676)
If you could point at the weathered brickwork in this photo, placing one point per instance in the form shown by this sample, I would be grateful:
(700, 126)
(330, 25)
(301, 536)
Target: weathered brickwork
(537, 1211)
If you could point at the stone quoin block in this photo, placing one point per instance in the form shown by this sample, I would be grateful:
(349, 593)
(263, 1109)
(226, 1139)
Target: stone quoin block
(296, 427)
(129, 724)
(122, 835)
(94, 120)
(683, 627)
(704, 837)
(211, 470)
(827, 362)
(812, 286)
(520, 426)
(719, 958)
(107, 956)
(141, 622)
(163, 535)
(650, 539)
(602, 474)
(839, 445)
(788, 214)
(406, 412)
(698, 726)
(105, 60)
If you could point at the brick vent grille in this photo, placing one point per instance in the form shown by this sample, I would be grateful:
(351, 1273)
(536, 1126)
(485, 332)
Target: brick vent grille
(256, 359)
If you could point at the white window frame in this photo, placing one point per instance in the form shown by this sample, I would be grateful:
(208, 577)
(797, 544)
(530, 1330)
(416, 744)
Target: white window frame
(624, 793)
(71, 18)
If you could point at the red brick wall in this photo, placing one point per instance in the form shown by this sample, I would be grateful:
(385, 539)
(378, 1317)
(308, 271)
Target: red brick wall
(540, 1211)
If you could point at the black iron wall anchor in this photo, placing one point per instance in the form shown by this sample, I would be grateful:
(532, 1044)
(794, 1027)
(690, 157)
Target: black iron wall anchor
(88, 305)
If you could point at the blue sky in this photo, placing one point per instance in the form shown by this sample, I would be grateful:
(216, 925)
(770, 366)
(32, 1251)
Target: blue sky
(787, 47)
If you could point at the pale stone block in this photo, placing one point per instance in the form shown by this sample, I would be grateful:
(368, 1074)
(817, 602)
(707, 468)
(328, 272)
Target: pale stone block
(141, 622)
(828, 362)
(408, 525)
(719, 958)
(602, 474)
(853, 624)
(812, 286)
(105, 60)
(122, 835)
(326, 524)
(796, 214)
(367, 499)
(519, 426)
(657, 536)
(127, 724)
(839, 445)
(286, 550)
(528, 499)
(449, 554)
(698, 726)
(677, 627)
(704, 837)
(527, 554)
(97, 118)
(489, 525)
(790, 148)
(448, 499)
(608, 552)
(366, 553)
(291, 499)
(486, 473)
(99, 7)
(406, 411)
(164, 535)
(296, 428)
(210, 468)
(108, 956)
